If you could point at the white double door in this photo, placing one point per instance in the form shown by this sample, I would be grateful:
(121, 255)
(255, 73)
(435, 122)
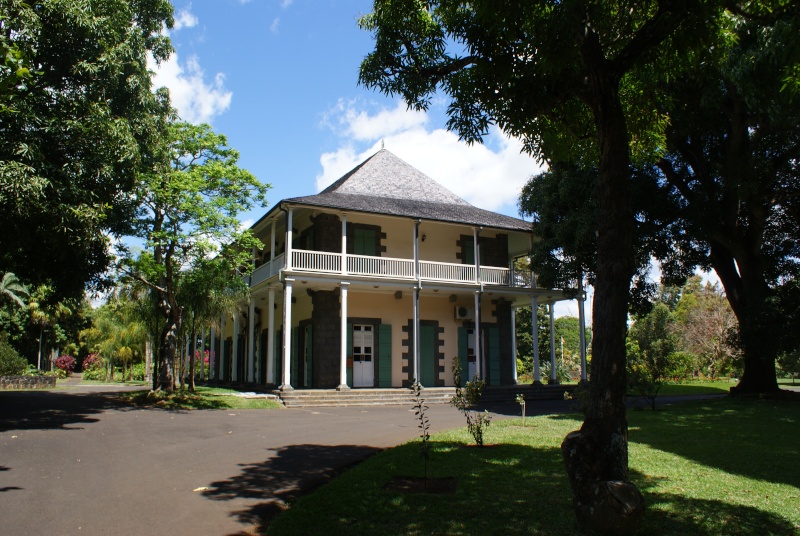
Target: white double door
(363, 356)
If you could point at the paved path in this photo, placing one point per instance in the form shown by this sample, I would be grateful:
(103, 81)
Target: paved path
(77, 462)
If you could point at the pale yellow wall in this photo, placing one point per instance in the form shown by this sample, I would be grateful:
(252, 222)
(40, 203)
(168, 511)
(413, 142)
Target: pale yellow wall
(398, 312)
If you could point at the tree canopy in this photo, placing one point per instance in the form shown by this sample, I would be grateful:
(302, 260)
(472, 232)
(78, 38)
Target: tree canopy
(187, 208)
(577, 82)
(76, 121)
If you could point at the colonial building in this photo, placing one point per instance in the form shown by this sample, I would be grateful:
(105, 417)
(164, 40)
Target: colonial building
(382, 278)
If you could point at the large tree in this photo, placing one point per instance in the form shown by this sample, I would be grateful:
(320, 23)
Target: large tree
(554, 75)
(188, 203)
(732, 173)
(76, 114)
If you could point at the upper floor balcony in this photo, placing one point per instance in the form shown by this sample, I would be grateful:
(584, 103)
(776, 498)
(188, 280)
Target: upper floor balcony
(320, 262)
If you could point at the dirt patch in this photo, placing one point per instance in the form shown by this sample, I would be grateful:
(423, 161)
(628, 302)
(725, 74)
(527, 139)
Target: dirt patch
(410, 484)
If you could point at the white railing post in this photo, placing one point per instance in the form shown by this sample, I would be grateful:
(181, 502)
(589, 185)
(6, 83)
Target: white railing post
(582, 327)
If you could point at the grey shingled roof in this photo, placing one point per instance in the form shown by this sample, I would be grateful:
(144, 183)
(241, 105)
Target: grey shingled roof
(385, 184)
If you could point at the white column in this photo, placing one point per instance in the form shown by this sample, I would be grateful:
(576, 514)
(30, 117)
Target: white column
(344, 243)
(582, 329)
(514, 341)
(343, 336)
(288, 248)
(287, 336)
(251, 354)
(222, 326)
(553, 375)
(271, 337)
(415, 299)
(537, 376)
(478, 345)
(235, 356)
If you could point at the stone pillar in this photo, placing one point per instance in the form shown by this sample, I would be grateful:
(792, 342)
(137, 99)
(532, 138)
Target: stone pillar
(343, 342)
(344, 246)
(287, 335)
(478, 346)
(415, 300)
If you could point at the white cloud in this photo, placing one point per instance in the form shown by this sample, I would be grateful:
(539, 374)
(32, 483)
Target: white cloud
(196, 100)
(275, 25)
(286, 3)
(184, 19)
(488, 178)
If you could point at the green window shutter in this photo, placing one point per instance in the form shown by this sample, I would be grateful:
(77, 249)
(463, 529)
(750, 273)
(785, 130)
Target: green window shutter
(427, 372)
(385, 355)
(262, 358)
(463, 344)
(349, 354)
(295, 360)
(469, 249)
(308, 356)
(493, 346)
(277, 362)
(364, 241)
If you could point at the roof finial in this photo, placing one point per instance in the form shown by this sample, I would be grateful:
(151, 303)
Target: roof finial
(382, 144)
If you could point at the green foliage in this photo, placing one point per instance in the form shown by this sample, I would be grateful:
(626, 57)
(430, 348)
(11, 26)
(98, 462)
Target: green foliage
(420, 410)
(11, 364)
(78, 115)
(789, 363)
(187, 213)
(520, 399)
(465, 400)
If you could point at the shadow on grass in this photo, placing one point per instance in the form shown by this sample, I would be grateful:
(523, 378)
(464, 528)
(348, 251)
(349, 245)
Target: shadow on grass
(669, 514)
(749, 437)
(290, 472)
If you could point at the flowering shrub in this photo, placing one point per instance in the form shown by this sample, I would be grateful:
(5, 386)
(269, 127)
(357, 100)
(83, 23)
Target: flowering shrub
(65, 363)
(94, 367)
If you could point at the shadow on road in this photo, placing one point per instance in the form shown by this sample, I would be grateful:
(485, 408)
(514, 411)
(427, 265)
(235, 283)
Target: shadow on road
(50, 410)
(290, 472)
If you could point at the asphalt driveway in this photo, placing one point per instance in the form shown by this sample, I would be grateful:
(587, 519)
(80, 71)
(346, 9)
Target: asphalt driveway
(78, 462)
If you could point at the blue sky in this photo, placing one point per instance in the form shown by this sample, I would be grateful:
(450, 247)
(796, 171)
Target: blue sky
(279, 79)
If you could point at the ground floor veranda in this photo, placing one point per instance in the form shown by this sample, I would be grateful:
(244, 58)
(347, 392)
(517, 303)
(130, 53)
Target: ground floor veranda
(360, 333)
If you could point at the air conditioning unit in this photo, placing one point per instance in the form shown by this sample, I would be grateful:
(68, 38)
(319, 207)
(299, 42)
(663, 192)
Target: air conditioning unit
(462, 313)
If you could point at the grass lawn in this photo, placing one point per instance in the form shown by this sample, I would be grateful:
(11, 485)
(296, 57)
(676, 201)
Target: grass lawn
(715, 467)
(697, 387)
(202, 398)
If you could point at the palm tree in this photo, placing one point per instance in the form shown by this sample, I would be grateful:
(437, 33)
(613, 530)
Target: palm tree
(11, 288)
(44, 314)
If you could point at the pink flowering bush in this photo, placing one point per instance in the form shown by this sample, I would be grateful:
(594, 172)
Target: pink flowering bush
(65, 363)
(93, 367)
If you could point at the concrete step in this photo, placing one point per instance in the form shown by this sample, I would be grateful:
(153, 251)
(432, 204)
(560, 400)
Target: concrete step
(361, 397)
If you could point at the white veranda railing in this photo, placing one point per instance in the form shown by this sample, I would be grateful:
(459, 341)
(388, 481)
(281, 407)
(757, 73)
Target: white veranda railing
(365, 265)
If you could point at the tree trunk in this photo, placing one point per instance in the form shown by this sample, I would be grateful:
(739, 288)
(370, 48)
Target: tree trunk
(748, 294)
(596, 456)
(168, 350)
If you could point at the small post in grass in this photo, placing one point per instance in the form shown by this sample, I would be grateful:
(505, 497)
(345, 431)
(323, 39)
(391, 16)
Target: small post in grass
(521, 401)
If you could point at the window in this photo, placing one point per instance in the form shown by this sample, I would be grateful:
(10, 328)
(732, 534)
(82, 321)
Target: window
(365, 241)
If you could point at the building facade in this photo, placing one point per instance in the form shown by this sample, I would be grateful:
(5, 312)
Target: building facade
(383, 278)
